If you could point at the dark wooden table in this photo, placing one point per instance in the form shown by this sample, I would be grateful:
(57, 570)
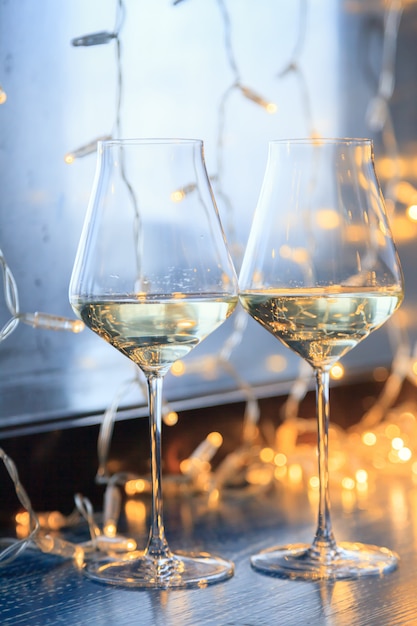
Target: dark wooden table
(38, 589)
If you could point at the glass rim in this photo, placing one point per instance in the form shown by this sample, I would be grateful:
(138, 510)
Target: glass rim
(325, 140)
(148, 141)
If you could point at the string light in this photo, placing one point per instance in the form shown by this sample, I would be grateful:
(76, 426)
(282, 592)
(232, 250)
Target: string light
(51, 322)
(85, 150)
(94, 39)
(100, 38)
(383, 440)
(270, 107)
(36, 320)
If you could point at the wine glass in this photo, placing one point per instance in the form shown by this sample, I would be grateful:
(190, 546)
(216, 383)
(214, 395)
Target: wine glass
(321, 272)
(153, 277)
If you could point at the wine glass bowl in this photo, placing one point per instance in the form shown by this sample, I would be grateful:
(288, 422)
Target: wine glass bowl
(153, 277)
(321, 272)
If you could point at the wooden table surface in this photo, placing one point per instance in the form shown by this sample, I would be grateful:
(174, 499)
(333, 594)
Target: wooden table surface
(38, 589)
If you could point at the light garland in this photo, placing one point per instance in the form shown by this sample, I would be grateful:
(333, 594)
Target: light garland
(37, 319)
(96, 39)
(384, 440)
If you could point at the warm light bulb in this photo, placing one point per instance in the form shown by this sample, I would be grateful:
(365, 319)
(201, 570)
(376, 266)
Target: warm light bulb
(280, 459)
(295, 473)
(177, 196)
(337, 371)
(397, 443)
(361, 476)
(178, 368)
(328, 219)
(3, 95)
(215, 439)
(369, 439)
(266, 455)
(348, 483)
(405, 454)
(412, 212)
(135, 486)
(314, 482)
(171, 418)
(269, 107)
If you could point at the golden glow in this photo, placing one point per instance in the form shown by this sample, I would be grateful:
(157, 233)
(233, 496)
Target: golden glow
(135, 512)
(369, 439)
(405, 454)
(3, 95)
(259, 475)
(214, 498)
(397, 443)
(131, 545)
(266, 455)
(137, 485)
(280, 459)
(280, 472)
(185, 466)
(215, 439)
(348, 499)
(77, 326)
(178, 196)
(348, 483)
(392, 430)
(403, 228)
(300, 255)
(178, 368)
(337, 371)
(361, 476)
(171, 418)
(270, 107)
(23, 518)
(316, 138)
(69, 158)
(314, 482)
(276, 363)
(110, 529)
(328, 219)
(54, 520)
(295, 473)
(412, 212)
(405, 192)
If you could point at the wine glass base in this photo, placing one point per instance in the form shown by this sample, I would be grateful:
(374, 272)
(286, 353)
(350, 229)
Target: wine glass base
(180, 570)
(348, 560)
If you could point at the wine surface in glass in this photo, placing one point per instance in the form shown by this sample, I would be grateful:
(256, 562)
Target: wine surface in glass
(321, 324)
(155, 332)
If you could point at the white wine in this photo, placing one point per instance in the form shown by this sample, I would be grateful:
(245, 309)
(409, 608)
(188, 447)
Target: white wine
(156, 332)
(321, 324)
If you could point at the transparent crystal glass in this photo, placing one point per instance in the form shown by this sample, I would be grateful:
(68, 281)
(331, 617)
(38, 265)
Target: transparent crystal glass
(320, 273)
(153, 277)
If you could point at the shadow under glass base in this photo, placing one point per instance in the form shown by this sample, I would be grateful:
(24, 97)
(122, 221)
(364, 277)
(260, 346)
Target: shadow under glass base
(348, 560)
(180, 570)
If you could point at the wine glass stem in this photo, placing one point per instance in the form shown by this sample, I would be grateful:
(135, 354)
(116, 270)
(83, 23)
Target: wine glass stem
(157, 547)
(324, 542)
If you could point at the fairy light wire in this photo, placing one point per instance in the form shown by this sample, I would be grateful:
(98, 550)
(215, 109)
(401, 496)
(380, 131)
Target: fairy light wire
(402, 358)
(101, 38)
(293, 66)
